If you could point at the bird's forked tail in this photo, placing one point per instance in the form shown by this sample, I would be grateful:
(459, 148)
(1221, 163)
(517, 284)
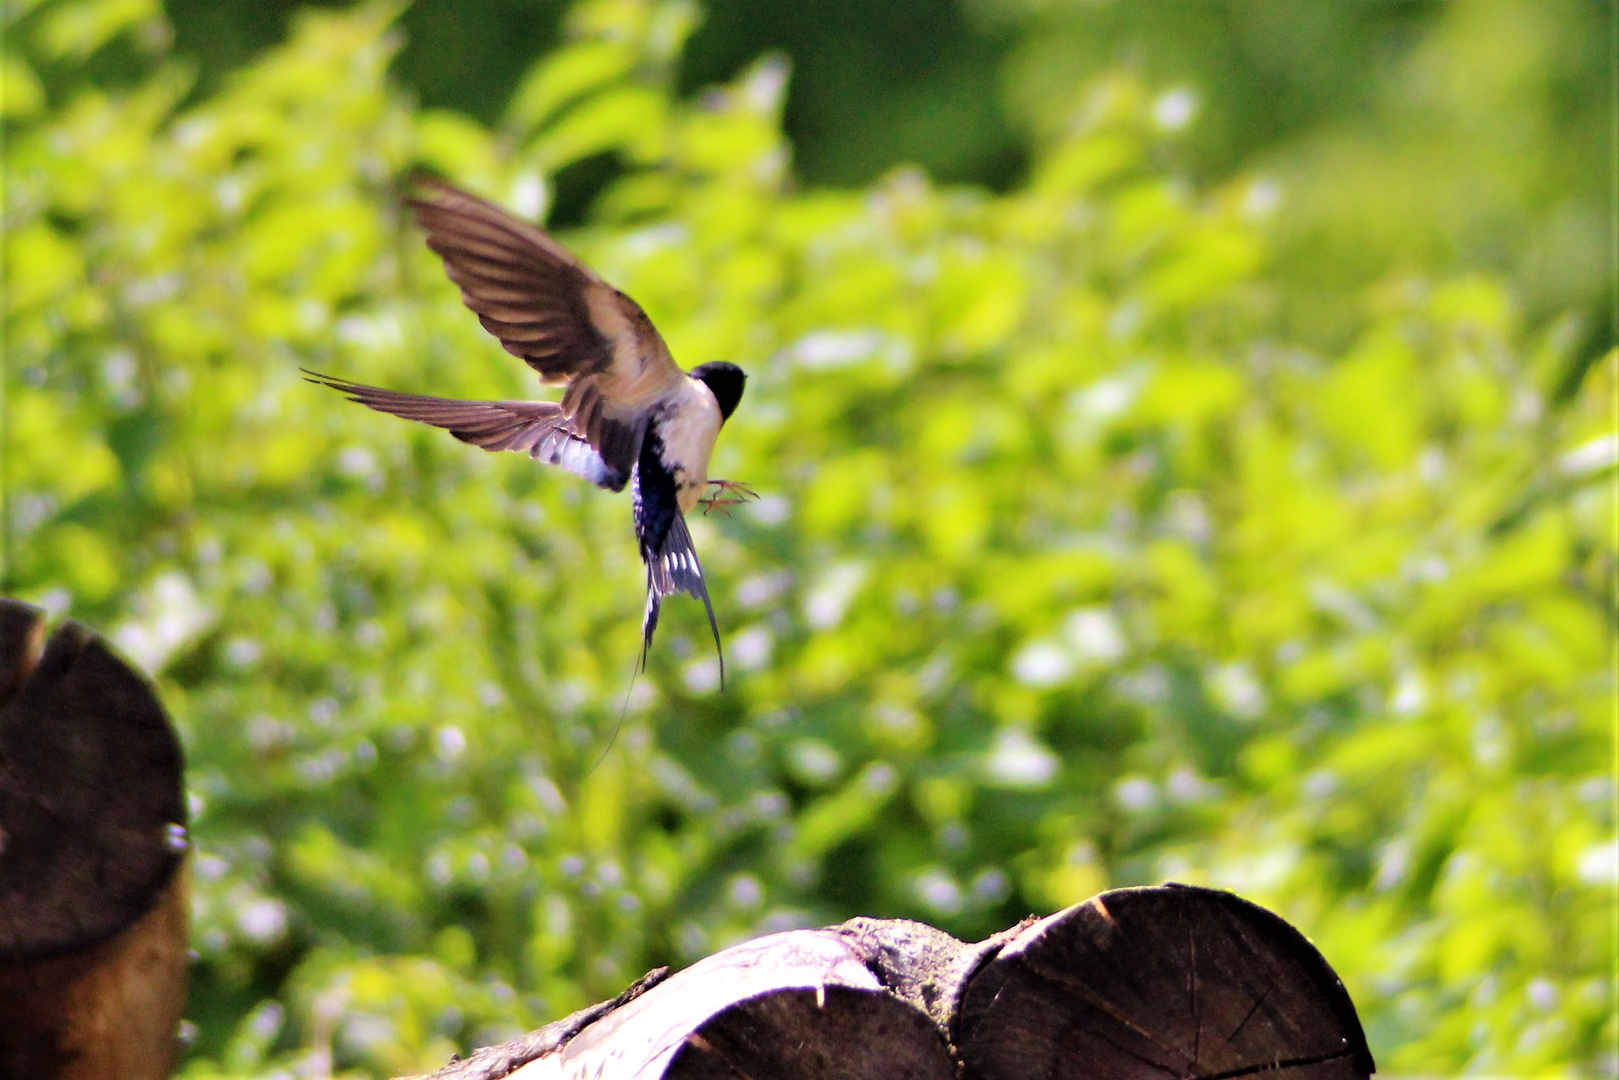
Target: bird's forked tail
(675, 569)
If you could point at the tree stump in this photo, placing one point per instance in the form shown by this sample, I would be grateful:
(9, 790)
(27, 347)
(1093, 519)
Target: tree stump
(1148, 983)
(93, 897)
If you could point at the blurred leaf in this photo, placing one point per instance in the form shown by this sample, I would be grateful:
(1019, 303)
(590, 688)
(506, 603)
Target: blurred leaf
(20, 90)
(74, 31)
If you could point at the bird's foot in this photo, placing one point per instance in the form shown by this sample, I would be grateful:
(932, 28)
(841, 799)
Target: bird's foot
(731, 493)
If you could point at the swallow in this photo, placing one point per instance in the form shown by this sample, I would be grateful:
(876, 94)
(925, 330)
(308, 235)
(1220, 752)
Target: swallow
(629, 413)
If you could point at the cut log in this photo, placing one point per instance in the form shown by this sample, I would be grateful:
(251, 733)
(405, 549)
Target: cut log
(829, 1033)
(1153, 982)
(93, 900)
(791, 1006)
(800, 1005)
(1139, 984)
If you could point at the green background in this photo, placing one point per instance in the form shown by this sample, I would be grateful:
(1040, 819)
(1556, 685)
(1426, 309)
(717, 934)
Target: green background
(1187, 440)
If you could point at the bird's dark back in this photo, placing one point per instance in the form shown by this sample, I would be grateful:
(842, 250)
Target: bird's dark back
(656, 496)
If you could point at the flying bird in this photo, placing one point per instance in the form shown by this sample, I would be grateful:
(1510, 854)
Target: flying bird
(629, 415)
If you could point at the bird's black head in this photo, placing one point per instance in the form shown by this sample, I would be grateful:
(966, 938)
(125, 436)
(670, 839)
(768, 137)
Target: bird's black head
(724, 381)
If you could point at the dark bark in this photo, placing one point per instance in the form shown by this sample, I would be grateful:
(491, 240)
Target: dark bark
(922, 966)
(1170, 981)
(93, 902)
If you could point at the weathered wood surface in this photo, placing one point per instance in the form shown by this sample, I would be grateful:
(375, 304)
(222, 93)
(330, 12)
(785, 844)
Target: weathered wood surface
(93, 898)
(1155, 982)
(1169, 981)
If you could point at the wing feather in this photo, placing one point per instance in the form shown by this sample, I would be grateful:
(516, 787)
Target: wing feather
(548, 308)
(537, 428)
(541, 332)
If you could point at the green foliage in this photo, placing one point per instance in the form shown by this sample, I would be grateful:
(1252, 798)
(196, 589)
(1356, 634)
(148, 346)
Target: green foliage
(1073, 571)
(1423, 137)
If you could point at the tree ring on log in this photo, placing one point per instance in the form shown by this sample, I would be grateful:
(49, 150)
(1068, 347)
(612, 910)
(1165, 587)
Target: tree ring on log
(92, 809)
(1173, 980)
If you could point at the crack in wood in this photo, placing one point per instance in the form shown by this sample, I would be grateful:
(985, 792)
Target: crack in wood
(1260, 1000)
(1285, 1063)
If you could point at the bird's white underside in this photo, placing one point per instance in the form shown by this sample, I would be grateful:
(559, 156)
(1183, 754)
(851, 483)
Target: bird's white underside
(688, 439)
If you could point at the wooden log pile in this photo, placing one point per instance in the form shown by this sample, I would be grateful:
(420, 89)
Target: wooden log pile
(1134, 984)
(1171, 981)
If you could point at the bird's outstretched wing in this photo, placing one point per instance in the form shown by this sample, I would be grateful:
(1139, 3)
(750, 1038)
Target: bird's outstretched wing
(553, 311)
(537, 428)
(674, 568)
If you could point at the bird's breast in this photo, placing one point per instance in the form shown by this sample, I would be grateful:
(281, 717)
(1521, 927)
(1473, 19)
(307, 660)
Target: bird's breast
(688, 426)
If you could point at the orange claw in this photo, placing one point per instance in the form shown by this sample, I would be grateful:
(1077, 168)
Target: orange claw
(724, 497)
